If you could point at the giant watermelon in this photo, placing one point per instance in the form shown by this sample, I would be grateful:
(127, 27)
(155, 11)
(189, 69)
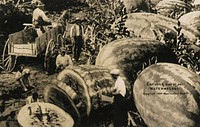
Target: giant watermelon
(167, 95)
(196, 2)
(53, 94)
(153, 26)
(191, 19)
(154, 2)
(83, 85)
(135, 5)
(172, 8)
(128, 54)
(158, 24)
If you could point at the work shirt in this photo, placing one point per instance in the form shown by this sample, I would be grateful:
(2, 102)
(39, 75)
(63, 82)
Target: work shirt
(63, 60)
(76, 30)
(40, 18)
(19, 74)
(120, 86)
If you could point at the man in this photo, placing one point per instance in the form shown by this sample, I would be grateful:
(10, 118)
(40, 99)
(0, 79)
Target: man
(197, 43)
(33, 108)
(76, 35)
(32, 99)
(40, 19)
(51, 62)
(23, 77)
(120, 112)
(35, 1)
(63, 60)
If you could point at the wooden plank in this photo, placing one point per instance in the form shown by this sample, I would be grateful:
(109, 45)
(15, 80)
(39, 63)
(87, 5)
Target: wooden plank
(24, 49)
(10, 48)
(10, 37)
(29, 35)
(17, 37)
(23, 46)
(28, 39)
(43, 40)
(22, 54)
(23, 37)
(41, 43)
(27, 32)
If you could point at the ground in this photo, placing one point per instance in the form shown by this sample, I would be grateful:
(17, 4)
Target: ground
(12, 96)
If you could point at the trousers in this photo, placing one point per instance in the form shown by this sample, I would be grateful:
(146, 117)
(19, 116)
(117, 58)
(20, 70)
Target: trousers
(77, 47)
(120, 111)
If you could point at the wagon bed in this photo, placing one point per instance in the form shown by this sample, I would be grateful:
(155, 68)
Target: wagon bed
(27, 43)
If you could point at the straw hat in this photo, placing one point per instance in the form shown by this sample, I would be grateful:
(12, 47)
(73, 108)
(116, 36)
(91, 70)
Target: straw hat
(39, 4)
(115, 72)
(62, 49)
(77, 19)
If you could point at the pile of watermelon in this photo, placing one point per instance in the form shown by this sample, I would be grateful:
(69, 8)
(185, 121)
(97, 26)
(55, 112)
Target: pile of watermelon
(159, 62)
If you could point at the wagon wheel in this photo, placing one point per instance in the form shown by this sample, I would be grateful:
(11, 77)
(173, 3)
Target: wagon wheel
(48, 53)
(60, 39)
(8, 61)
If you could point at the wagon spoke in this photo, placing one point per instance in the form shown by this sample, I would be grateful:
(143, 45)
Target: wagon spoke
(9, 65)
(8, 60)
(60, 40)
(48, 52)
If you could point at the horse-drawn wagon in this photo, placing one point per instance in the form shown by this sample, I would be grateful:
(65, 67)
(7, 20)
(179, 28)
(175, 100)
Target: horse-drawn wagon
(27, 43)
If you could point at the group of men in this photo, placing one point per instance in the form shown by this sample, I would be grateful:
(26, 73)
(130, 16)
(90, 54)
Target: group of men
(63, 60)
(40, 20)
(119, 93)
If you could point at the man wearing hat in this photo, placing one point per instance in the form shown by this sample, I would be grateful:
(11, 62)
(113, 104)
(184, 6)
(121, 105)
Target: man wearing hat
(22, 77)
(120, 110)
(63, 60)
(35, 1)
(76, 35)
(40, 19)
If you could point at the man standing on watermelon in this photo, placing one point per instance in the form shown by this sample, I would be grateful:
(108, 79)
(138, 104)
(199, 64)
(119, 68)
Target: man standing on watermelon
(120, 112)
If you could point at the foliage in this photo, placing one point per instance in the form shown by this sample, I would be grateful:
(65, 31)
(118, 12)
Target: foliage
(182, 48)
(101, 16)
(59, 5)
(8, 14)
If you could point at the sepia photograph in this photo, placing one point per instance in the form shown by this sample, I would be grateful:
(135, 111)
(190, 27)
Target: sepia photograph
(99, 63)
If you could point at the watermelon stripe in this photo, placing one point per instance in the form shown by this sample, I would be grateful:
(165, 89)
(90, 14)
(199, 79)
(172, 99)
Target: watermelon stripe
(168, 110)
(77, 77)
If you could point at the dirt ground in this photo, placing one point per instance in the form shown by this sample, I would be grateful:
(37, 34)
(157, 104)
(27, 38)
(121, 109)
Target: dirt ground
(12, 96)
